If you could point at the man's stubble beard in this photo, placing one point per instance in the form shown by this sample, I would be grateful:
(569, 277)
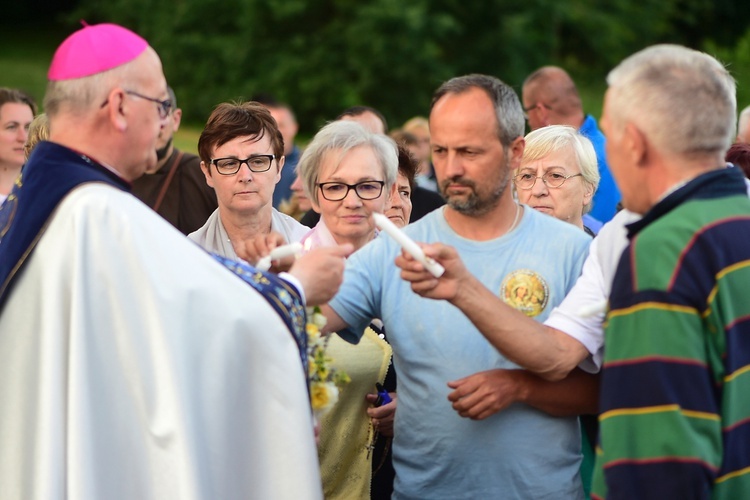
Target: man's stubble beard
(473, 205)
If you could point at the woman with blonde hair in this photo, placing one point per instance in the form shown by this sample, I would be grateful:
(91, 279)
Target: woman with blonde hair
(419, 127)
(38, 132)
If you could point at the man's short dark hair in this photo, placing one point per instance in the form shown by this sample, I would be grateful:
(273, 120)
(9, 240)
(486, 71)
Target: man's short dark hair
(508, 109)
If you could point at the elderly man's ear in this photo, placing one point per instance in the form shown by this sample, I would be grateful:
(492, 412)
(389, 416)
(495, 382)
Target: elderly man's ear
(636, 144)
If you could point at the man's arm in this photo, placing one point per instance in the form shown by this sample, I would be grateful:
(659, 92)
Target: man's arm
(321, 272)
(334, 323)
(485, 393)
(545, 351)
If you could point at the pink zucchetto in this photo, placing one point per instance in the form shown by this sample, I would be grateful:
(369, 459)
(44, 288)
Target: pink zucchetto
(95, 49)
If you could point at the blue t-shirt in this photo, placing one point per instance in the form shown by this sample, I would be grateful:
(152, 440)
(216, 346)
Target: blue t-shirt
(607, 195)
(518, 453)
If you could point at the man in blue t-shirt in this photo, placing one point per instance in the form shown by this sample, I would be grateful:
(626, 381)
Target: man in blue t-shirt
(550, 97)
(469, 423)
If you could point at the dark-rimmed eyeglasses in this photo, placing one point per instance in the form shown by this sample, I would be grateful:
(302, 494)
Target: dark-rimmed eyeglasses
(550, 179)
(337, 191)
(164, 107)
(230, 166)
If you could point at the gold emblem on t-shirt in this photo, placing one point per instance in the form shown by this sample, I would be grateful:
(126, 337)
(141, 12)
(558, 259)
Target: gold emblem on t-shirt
(526, 291)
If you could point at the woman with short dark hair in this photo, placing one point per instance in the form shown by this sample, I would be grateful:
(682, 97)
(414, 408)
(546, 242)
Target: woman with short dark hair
(242, 154)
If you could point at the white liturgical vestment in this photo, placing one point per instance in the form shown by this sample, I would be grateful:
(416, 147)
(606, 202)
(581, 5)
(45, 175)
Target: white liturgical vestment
(134, 366)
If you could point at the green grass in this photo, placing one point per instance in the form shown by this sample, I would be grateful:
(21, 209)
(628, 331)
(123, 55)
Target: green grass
(186, 139)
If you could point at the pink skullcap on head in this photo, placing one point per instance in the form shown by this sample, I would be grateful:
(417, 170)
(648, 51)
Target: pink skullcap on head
(95, 49)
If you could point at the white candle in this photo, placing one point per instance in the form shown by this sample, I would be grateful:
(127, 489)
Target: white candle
(264, 264)
(384, 224)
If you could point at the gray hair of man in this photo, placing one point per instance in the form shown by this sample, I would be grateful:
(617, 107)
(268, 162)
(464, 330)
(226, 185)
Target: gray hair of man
(82, 95)
(334, 141)
(547, 140)
(508, 109)
(683, 100)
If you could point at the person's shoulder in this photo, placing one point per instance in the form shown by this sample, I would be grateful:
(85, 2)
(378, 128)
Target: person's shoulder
(186, 156)
(190, 161)
(618, 222)
(589, 126)
(430, 222)
(427, 197)
(564, 240)
(294, 229)
(101, 192)
(310, 219)
(590, 130)
(199, 235)
(101, 201)
(544, 222)
(423, 202)
(715, 221)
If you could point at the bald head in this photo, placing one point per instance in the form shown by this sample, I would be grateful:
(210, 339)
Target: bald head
(550, 97)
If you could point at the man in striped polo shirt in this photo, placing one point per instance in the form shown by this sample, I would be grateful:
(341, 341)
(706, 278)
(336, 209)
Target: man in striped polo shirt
(675, 411)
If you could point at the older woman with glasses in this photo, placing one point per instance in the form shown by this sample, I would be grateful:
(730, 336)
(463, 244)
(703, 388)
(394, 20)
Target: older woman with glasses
(242, 154)
(558, 173)
(349, 173)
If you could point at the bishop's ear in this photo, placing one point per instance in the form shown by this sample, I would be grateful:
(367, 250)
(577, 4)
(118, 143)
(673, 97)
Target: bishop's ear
(115, 108)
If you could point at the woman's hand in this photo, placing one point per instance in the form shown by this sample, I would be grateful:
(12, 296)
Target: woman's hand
(382, 416)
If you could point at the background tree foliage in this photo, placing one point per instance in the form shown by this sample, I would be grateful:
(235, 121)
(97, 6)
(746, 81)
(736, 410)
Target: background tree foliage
(324, 56)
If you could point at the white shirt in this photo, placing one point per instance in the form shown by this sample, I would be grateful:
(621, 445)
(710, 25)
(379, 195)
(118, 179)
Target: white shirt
(593, 287)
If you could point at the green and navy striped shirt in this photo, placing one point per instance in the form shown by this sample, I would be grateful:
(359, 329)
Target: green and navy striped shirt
(675, 393)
